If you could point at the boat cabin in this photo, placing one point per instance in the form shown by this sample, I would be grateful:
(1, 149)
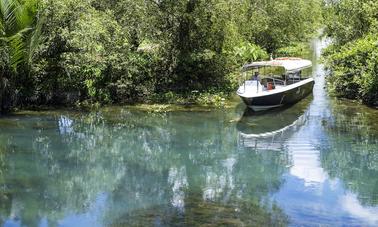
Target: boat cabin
(274, 83)
(274, 74)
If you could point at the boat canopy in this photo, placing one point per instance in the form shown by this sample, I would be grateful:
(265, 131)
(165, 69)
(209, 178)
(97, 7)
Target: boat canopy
(290, 64)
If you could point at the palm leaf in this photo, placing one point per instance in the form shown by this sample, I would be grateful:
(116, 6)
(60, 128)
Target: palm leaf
(35, 39)
(14, 16)
(15, 27)
(8, 14)
(24, 19)
(2, 32)
(17, 50)
(17, 47)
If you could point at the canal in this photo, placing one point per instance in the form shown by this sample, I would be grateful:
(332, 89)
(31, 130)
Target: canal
(314, 163)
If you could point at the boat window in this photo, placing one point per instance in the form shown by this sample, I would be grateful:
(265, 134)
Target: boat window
(294, 75)
(251, 73)
(306, 73)
(266, 72)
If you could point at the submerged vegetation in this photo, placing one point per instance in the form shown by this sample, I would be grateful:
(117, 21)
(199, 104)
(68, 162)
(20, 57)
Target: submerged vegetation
(353, 56)
(124, 51)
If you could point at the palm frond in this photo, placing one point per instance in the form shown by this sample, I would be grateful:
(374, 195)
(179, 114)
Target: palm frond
(8, 13)
(35, 39)
(17, 47)
(15, 31)
(14, 16)
(24, 19)
(17, 51)
(2, 32)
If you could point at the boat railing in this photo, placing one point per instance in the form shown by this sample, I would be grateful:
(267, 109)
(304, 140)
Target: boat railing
(248, 82)
(275, 81)
(261, 84)
(253, 83)
(278, 82)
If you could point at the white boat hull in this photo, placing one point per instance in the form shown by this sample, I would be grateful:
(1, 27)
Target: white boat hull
(264, 100)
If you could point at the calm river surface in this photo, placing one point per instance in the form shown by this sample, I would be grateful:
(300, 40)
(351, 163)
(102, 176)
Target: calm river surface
(315, 163)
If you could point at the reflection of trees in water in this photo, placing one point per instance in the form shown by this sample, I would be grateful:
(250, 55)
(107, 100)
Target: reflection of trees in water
(352, 154)
(182, 165)
(201, 165)
(4, 204)
(48, 173)
(206, 213)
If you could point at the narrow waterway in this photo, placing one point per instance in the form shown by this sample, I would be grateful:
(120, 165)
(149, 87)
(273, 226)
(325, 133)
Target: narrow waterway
(314, 163)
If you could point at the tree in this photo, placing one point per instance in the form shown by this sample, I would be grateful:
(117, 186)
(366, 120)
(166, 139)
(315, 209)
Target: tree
(114, 51)
(280, 23)
(19, 36)
(352, 57)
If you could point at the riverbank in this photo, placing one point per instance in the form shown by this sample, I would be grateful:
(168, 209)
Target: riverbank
(194, 98)
(205, 102)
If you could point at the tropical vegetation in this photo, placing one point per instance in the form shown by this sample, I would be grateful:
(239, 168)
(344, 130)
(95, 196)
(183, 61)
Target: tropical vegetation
(20, 32)
(123, 51)
(352, 58)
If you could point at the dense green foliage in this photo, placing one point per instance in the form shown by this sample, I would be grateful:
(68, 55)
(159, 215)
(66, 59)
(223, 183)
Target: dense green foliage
(19, 38)
(116, 51)
(352, 57)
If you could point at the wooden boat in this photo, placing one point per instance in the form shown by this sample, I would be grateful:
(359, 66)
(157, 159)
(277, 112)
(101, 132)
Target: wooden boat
(274, 83)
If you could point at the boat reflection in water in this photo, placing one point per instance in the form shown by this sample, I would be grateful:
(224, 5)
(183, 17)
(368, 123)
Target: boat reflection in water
(268, 131)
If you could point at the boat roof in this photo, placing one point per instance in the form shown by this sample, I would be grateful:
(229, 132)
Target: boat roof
(290, 64)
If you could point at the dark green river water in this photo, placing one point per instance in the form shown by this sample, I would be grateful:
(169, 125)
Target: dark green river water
(315, 163)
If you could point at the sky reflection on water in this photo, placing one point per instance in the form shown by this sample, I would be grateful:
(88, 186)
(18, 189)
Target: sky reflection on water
(315, 163)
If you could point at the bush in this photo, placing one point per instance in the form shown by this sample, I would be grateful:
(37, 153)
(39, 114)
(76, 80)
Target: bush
(294, 50)
(247, 52)
(354, 69)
